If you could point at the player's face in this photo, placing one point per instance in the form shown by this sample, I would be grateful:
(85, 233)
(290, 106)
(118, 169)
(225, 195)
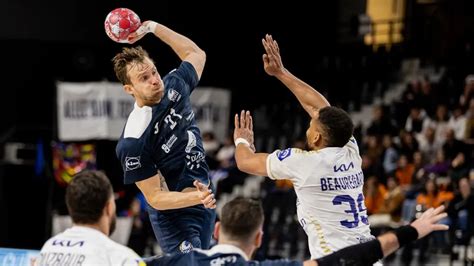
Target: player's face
(147, 86)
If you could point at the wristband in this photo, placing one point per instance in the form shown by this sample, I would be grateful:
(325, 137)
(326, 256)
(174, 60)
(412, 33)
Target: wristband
(406, 234)
(241, 140)
(149, 27)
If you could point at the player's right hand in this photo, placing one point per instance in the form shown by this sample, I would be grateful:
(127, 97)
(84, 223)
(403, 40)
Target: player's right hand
(205, 194)
(140, 32)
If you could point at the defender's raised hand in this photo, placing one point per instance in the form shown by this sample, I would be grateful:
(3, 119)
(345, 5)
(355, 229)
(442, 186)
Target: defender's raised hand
(244, 128)
(271, 59)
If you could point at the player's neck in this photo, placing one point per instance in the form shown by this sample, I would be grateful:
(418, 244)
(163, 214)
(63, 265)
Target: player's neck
(97, 226)
(247, 249)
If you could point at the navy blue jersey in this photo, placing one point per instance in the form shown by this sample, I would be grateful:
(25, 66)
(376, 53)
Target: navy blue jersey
(165, 137)
(199, 258)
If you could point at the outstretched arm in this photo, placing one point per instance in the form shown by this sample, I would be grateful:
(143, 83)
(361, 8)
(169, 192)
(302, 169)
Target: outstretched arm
(247, 160)
(309, 98)
(368, 253)
(167, 200)
(184, 47)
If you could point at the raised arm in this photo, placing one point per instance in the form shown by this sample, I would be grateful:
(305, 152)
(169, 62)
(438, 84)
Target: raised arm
(247, 160)
(167, 200)
(309, 98)
(184, 47)
(370, 252)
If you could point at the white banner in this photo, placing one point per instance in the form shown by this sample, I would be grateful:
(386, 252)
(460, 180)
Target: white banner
(92, 110)
(212, 107)
(99, 110)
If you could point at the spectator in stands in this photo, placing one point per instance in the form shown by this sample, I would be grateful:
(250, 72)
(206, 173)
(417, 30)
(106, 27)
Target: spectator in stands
(461, 212)
(431, 197)
(404, 172)
(429, 145)
(439, 166)
(468, 95)
(440, 123)
(91, 204)
(390, 156)
(417, 121)
(393, 200)
(381, 124)
(374, 194)
(408, 144)
(452, 146)
(469, 135)
(458, 123)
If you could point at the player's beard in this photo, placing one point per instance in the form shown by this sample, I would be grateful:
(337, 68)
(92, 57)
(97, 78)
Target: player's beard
(113, 223)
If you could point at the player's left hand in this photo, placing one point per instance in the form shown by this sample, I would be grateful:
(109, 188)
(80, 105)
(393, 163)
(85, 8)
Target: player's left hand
(244, 127)
(205, 194)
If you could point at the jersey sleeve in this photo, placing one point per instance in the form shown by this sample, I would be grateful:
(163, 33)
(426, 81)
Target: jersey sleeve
(284, 164)
(137, 163)
(188, 75)
(352, 145)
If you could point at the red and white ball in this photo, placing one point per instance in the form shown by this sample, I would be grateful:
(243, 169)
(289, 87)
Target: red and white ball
(120, 22)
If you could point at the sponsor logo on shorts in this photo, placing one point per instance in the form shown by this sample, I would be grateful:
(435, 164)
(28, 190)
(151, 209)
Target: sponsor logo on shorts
(132, 163)
(185, 247)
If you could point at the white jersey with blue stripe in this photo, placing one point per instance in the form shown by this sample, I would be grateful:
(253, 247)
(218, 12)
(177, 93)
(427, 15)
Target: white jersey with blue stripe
(328, 184)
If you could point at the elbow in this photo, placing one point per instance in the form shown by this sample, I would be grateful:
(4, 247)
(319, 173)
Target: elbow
(201, 54)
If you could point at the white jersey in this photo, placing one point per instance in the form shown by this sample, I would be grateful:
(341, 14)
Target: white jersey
(81, 245)
(330, 204)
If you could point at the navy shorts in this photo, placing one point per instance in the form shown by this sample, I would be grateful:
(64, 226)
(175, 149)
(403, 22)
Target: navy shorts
(180, 230)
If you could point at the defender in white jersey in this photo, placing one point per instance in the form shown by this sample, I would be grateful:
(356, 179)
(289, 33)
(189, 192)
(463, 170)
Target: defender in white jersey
(327, 179)
(91, 205)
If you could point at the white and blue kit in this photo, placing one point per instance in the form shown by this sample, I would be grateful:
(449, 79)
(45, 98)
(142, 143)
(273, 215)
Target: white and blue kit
(80, 245)
(328, 184)
(165, 139)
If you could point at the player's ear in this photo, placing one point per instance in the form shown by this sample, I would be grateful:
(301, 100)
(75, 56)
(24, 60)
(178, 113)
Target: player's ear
(258, 238)
(316, 140)
(128, 89)
(109, 207)
(217, 228)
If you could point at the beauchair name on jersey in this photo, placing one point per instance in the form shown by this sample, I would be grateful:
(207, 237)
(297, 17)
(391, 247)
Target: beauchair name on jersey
(343, 182)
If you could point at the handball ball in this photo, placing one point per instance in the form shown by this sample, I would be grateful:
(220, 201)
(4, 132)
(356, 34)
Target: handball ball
(120, 22)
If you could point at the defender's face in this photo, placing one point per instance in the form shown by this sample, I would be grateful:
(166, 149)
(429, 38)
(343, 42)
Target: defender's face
(147, 86)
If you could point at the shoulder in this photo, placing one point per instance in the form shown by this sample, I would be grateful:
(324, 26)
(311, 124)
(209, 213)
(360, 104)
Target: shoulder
(137, 122)
(122, 255)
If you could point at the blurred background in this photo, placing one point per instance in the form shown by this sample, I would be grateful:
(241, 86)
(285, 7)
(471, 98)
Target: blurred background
(403, 69)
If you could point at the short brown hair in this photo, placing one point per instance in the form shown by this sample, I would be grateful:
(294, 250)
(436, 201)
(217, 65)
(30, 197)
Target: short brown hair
(87, 195)
(127, 56)
(241, 218)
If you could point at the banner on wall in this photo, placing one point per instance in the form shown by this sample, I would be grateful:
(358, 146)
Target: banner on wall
(212, 107)
(91, 110)
(99, 110)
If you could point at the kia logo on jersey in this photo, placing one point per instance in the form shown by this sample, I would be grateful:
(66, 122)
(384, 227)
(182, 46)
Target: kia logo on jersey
(132, 163)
